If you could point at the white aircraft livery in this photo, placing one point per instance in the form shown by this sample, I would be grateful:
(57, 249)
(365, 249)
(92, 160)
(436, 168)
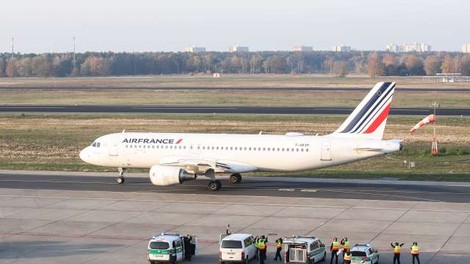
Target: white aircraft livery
(177, 157)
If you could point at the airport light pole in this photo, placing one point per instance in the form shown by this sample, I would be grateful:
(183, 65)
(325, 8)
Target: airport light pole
(12, 47)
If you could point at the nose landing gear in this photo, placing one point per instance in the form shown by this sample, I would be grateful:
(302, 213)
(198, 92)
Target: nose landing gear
(121, 179)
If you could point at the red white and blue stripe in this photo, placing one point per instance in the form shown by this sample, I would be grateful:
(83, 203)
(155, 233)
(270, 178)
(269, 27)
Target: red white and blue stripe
(371, 114)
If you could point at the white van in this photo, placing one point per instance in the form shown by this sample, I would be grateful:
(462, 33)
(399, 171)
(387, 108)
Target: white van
(237, 248)
(303, 249)
(166, 248)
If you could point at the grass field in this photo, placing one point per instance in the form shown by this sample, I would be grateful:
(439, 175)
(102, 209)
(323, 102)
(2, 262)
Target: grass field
(218, 97)
(52, 142)
(225, 98)
(206, 80)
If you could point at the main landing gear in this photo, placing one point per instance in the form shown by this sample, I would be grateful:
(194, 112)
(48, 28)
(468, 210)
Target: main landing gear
(121, 178)
(214, 185)
(235, 178)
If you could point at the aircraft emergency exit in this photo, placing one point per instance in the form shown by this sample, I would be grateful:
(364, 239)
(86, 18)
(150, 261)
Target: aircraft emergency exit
(174, 158)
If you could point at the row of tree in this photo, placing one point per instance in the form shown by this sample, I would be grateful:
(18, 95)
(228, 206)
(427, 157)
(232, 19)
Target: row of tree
(339, 64)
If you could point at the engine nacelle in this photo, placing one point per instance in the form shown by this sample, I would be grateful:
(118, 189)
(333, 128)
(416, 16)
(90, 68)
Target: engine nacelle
(167, 175)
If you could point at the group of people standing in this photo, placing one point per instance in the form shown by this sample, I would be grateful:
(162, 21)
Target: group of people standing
(261, 244)
(189, 247)
(343, 245)
(397, 252)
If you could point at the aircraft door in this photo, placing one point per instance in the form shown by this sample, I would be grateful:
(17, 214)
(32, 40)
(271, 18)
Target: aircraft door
(113, 149)
(325, 151)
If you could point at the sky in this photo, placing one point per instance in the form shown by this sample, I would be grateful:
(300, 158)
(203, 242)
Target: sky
(171, 25)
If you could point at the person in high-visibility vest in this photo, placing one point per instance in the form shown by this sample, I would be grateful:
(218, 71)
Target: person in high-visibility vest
(396, 252)
(345, 245)
(278, 249)
(256, 242)
(334, 248)
(347, 257)
(262, 250)
(415, 252)
(262, 247)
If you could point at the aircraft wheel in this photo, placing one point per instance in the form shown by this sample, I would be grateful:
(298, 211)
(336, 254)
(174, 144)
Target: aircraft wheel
(120, 180)
(214, 185)
(235, 178)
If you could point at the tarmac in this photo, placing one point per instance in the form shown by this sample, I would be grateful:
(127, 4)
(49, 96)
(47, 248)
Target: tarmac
(84, 225)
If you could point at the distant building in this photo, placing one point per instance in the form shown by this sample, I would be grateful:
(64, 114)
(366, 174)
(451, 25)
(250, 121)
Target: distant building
(195, 49)
(303, 48)
(238, 49)
(414, 47)
(341, 48)
(466, 48)
(393, 48)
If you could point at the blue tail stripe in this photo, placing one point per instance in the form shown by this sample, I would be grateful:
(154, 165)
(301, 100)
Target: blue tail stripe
(366, 107)
(385, 98)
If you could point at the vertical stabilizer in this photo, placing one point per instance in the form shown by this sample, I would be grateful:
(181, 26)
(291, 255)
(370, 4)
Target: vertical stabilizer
(370, 116)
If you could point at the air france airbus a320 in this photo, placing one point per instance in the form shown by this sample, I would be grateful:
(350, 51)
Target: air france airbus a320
(177, 157)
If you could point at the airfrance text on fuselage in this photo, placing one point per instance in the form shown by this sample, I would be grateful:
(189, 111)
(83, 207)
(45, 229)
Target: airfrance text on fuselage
(151, 141)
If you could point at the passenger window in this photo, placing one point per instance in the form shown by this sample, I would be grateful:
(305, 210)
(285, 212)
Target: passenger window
(247, 242)
(315, 245)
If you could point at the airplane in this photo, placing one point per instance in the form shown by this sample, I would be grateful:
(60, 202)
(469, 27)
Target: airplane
(174, 158)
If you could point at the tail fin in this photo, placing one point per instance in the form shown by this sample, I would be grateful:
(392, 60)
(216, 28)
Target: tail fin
(370, 116)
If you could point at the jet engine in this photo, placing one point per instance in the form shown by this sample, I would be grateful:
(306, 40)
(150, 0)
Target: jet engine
(167, 175)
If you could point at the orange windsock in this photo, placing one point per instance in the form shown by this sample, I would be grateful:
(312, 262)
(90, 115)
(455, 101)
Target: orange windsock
(427, 120)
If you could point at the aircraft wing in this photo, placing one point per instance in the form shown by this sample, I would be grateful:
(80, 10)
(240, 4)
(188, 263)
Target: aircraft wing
(199, 164)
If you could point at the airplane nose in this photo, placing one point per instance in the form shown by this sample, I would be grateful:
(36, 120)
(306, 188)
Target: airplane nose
(84, 154)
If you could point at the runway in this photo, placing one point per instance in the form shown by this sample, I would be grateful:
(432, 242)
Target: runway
(221, 88)
(213, 110)
(254, 186)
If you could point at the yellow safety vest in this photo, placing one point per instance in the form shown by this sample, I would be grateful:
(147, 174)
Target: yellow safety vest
(278, 244)
(346, 244)
(396, 250)
(261, 245)
(414, 250)
(347, 256)
(335, 245)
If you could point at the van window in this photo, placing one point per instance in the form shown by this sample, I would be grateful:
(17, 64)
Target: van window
(315, 245)
(177, 243)
(248, 242)
(231, 244)
(358, 253)
(159, 245)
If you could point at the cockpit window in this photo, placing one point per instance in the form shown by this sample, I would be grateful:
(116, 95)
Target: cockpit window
(96, 144)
